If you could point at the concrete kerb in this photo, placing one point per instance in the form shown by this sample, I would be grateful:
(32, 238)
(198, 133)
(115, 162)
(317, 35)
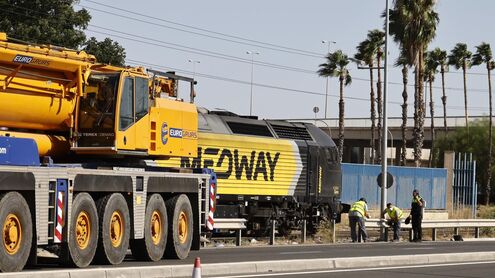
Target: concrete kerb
(259, 266)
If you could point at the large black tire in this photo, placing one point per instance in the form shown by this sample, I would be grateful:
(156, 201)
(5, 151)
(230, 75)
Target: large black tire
(152, 246)
(16, 232)
(113, 243)
(81, 251)
(178, 246)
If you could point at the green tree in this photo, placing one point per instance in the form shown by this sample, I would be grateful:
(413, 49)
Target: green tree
(458, 141)
(336, 66)
(460, 57)
(106, 51)
(44, 22)
(56, 22)
(484, 55)
(413, 25)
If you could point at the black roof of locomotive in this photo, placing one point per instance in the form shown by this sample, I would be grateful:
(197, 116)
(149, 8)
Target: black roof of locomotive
(226, 122)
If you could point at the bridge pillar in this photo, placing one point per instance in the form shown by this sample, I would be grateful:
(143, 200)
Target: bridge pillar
(448, 164)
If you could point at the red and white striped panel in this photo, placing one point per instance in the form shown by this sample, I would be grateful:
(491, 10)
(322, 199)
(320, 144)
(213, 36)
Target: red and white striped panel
(60, 210)
(211, 219)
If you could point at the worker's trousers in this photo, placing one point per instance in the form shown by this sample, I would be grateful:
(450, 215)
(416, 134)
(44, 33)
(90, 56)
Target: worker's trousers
(396, 228)
(359, 221)
(416, 227)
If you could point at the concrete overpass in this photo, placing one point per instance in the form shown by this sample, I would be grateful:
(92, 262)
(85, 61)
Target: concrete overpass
(357, 134)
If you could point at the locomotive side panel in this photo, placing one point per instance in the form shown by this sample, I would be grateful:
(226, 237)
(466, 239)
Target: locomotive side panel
(247, 165)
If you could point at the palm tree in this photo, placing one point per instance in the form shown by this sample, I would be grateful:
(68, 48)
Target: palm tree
(367, 51)
(431, 66)
(336, 66)
(460, 57)
(484, 55)
(440, 58)
(402, 61)
(377, 40)
(413, 25)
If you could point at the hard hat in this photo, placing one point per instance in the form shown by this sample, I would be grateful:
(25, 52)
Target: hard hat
(363, 199)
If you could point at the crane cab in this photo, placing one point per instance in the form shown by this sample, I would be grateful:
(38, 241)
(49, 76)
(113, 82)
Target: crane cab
(133, 112)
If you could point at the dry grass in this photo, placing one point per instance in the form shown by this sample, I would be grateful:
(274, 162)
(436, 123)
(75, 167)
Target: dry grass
(324, 232)
(463, 213)
(486, 212)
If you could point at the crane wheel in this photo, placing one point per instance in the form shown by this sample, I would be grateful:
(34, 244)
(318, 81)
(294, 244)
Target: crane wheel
(84, 231)
(180, 233)
(17, 232)
(152, 246)
(114, 217)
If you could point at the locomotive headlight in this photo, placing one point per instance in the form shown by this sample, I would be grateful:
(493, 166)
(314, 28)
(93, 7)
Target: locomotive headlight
(336, 189)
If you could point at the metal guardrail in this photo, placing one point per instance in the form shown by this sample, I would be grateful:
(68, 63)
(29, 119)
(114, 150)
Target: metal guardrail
(439, 224)
(236, 224)
(230, 223)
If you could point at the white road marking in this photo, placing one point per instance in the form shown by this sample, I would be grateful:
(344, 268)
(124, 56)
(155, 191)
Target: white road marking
(419, 248)
(350, 270)
(300, 252)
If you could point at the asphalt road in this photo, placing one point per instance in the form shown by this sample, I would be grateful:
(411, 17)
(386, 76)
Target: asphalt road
(245, 254)
(467, 270)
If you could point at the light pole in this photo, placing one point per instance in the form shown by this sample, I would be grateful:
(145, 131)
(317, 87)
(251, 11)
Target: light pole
(328, 127)
(328, 42)
(252, 53)
(385, 120)
(316, 109)
(194, 62)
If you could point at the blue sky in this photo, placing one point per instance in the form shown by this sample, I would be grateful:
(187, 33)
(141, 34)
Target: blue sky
(301, 25)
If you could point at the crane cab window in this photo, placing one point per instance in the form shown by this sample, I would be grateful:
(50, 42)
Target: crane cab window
(135, 101)
(142, 97)
(97, 111)
(126, 118)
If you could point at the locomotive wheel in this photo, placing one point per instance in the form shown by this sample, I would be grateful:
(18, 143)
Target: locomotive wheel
(113, 242)
(152, 247)
(17, 232)
(180, 233)
(84, 231)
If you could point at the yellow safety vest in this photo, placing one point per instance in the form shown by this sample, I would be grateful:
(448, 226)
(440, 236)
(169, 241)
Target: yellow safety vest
(417, 200)
(359, 206)
(394, 212)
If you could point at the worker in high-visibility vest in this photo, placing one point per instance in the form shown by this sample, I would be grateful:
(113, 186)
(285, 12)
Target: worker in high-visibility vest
(357, 214)
(394, 214)
(418, 205)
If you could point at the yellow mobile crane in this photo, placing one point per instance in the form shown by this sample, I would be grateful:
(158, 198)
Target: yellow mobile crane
(94, 126)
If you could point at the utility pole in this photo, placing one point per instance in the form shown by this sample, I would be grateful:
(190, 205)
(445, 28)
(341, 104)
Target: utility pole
(252, 53)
